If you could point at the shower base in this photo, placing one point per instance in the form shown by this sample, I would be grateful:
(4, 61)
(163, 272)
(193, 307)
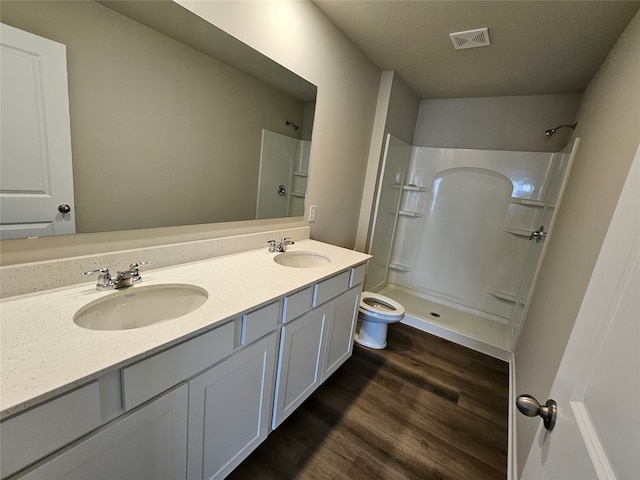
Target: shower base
(462, 327)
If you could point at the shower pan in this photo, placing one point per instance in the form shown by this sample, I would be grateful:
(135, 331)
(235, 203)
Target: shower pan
(458, 236)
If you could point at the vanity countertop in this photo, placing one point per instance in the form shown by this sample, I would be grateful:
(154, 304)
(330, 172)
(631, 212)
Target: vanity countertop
(43, 353)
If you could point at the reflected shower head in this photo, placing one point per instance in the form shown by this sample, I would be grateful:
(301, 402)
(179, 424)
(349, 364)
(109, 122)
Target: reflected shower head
(291, 125)
(551, 131)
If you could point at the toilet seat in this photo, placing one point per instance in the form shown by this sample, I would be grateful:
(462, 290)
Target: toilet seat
(381, 307)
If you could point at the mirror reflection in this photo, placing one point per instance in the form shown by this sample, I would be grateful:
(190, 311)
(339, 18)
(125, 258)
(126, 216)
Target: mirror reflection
(161, 132)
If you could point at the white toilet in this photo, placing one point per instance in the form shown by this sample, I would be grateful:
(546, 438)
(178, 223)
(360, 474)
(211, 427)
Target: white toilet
(376, 312)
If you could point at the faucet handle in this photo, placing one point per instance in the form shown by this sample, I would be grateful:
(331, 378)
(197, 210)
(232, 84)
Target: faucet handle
(133, 268)
(99, 270)
(136, 265)
(104, 278)
(272, 245)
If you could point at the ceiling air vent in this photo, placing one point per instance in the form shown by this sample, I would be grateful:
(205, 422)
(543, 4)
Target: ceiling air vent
(470, 39)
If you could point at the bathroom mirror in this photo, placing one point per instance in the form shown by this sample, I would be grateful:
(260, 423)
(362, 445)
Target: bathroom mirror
(169, 114)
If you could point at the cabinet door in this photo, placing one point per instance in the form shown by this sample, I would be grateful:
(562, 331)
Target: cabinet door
(300, 362)
(149, 443)
(341, 321)
(230, 410)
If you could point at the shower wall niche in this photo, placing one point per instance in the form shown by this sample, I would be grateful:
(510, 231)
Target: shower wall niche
(454, 226)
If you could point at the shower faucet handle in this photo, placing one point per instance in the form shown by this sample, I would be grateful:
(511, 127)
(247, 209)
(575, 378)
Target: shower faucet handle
(539, 234)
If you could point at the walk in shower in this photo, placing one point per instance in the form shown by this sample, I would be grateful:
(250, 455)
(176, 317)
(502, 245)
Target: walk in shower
(458, 235)
(282, 179)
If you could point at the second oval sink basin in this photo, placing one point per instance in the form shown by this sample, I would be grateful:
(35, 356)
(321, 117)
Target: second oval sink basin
(301, 259)
(138, 307)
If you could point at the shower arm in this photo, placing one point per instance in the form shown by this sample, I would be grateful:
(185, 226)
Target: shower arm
(553, 130)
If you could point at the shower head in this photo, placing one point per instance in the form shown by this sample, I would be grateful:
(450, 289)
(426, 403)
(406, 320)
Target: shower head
(291, 125)
(551, 131)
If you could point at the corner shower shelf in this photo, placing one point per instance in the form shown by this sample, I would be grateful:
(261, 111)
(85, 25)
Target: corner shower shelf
(501, 294)
(527, 201)
(415, 188)
(410, 213)
(521, 232)
(400, 267)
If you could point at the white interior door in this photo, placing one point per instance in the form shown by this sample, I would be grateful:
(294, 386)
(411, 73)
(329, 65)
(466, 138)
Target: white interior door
(36, 181)
(597, 387)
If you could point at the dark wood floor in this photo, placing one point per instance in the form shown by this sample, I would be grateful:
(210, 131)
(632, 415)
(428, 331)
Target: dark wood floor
(422, 408)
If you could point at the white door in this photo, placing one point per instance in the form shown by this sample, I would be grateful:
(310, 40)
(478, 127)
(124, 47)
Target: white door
(36, 179)
(597, 387)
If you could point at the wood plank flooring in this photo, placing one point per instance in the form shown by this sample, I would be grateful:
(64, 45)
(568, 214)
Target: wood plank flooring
(423, 408)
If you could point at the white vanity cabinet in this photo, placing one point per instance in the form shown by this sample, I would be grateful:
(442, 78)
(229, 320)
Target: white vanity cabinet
(340, 326)
(230, 407)
(197, 409)
(148, 443)
(316, 338)
(299, 363)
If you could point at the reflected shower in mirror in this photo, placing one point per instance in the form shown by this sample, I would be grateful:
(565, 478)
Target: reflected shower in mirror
(165, 131)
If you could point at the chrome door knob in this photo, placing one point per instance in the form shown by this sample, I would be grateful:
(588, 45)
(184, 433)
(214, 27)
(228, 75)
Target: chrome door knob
(64, 208)
(530, 407)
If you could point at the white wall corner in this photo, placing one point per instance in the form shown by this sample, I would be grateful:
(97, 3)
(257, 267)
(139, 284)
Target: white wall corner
(373, 163)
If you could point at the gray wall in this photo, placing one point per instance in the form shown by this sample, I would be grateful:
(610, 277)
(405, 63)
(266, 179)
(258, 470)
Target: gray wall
(609, 129)
(496, 123)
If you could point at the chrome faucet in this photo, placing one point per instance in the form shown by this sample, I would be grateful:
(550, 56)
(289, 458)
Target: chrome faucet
(123, 279)
(280, 246)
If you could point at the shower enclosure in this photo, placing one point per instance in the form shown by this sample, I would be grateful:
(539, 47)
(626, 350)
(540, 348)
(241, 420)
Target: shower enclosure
(282, 181)
(458, 235)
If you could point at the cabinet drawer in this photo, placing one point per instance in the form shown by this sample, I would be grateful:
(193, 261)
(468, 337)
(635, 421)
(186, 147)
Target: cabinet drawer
(146, 379)
(357, 275)
(148, 443)
(332, 287)
(34, 434)
(297, 304)
(258, 323)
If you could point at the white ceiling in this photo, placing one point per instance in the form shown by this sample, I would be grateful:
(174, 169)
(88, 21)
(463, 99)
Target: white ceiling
(537, 47)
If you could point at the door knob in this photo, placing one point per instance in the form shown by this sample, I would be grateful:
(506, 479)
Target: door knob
(530, 407)
(64, 208)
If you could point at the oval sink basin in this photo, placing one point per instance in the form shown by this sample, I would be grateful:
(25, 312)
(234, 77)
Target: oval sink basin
(138, 307)
(301, 259)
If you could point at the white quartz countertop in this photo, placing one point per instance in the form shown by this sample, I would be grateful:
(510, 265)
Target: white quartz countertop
(44, 353)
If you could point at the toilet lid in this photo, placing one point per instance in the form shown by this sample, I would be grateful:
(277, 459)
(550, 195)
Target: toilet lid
(381, 305)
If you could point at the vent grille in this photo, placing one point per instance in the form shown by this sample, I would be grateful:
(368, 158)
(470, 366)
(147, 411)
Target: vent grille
(470, 39)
